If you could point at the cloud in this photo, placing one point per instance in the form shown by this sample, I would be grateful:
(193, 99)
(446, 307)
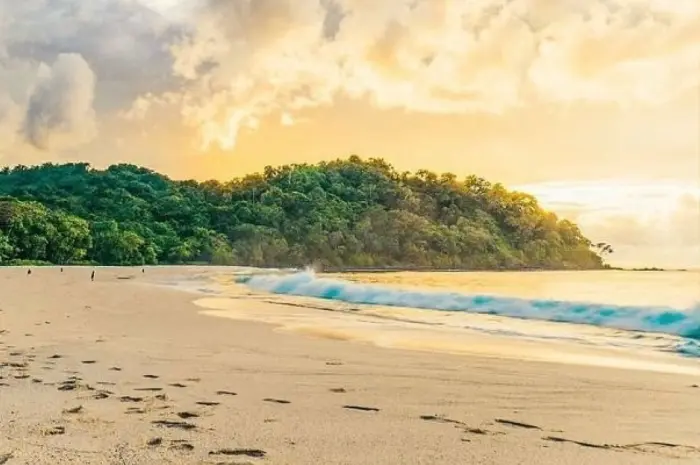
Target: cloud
(246, 59)
(60, 105)
(228, 64)
(65, 63)
(660, 219)
(10, 120)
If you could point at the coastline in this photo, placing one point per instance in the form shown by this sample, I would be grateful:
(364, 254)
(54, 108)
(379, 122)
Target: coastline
(400, 269)
(262, 395)
(359, 269)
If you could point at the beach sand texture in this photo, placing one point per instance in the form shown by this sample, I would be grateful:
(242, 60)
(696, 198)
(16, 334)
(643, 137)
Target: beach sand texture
(118, 371)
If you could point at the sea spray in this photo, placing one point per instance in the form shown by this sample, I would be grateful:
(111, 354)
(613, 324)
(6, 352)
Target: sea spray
(689, 348)
(657, 319)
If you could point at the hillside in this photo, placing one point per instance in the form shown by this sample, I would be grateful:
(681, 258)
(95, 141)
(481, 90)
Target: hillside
(345, 213)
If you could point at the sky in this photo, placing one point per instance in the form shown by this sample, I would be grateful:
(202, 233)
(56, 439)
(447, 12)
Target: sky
(593, 106)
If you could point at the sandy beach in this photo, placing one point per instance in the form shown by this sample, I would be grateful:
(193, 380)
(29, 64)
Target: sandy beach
(122, 371)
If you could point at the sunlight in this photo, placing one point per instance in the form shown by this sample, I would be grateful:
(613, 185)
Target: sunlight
(646, 222)
(613, 196)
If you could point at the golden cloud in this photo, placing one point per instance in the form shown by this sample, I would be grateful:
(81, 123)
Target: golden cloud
(248, 59)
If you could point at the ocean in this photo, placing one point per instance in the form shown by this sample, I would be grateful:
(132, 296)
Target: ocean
(602, 317)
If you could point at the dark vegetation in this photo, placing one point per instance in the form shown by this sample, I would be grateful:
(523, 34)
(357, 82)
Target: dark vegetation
(346, 213)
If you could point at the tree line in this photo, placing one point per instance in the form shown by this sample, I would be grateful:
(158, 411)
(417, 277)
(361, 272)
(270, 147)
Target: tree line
(344, 213)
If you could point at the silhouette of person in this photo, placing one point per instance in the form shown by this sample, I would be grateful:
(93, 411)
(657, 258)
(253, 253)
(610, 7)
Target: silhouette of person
(143, 270)
(61, 269)
(29, 271)
(92, 276)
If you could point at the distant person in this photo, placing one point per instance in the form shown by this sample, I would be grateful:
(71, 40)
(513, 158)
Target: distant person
(61, 269)
(29, 271)
(143, 270)
(92, 276)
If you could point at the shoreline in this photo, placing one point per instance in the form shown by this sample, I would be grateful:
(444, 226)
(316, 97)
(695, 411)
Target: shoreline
(368, 270)
(409, 332)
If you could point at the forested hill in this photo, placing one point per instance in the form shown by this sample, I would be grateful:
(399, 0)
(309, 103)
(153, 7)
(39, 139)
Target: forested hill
(345, 213)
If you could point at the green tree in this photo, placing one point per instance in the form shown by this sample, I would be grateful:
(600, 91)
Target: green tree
(349, 212)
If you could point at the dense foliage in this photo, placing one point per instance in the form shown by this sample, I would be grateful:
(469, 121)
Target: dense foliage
(345, 213)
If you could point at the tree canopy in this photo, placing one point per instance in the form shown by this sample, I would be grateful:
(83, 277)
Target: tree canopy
(344, 213)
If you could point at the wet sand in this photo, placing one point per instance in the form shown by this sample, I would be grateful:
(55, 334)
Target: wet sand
(118, 371)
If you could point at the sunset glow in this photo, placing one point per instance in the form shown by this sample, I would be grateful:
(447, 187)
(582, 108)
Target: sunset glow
(591, 106)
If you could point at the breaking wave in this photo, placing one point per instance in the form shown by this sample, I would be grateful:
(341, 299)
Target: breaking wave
(657, 319)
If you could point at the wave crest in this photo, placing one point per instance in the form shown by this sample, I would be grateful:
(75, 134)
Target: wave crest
(656, 319)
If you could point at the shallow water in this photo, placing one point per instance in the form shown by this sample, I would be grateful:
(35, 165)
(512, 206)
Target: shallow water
(679, 289)
(648, 314)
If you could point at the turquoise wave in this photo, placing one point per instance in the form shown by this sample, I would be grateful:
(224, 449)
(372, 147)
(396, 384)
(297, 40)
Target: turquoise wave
(655, 319)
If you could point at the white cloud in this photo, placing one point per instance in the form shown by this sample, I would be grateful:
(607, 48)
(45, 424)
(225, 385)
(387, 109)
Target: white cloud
(643, 221)
(287, 120)
(249, 58)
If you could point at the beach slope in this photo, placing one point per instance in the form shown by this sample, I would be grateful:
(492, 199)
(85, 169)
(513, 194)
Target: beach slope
(120, 371)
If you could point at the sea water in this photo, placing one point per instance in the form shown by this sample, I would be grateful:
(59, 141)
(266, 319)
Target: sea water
(638, 302)
(643, 313)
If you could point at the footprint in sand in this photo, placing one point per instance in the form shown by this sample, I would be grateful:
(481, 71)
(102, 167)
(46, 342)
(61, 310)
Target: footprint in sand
(74, 410)
(149, 389)
(181, 445)
(226, 393)
(441, 419)
(174, 424)
(135, 410)
(151, 376)
(55, 430)
(177, 385)
(361, 408)
(88, 362)
(131, 399)
(338, 390)
(516, 424)
(255, 453)
(187, 415)
(276, 401)
(208, 403)
(115, 369)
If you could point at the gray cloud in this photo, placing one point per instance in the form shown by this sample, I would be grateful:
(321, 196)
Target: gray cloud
(59, 110)
(60, 59)
(10, 119)
(125, 43)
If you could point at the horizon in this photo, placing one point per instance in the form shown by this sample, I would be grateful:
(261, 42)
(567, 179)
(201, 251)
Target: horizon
(594, 109)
